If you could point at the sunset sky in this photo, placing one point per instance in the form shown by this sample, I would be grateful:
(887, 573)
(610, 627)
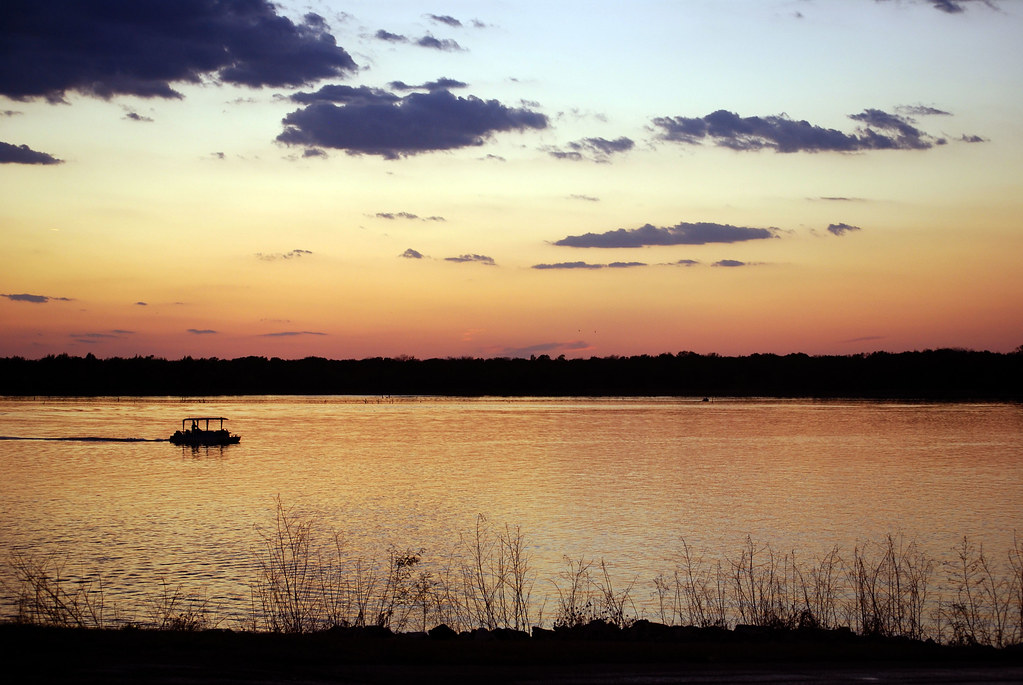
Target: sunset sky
(381, 178)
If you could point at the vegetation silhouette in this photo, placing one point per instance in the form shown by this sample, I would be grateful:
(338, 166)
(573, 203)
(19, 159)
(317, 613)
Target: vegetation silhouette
(942, 374)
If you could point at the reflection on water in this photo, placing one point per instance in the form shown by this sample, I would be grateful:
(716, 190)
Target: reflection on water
(619, 479)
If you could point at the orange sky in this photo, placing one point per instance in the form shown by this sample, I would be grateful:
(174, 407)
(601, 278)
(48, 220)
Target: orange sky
(853, 184)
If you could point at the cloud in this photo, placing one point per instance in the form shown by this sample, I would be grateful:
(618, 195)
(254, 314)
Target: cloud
(446, 44)
(390, 37)
(360, 95)
(96, 337)
(23, 154)
(879, 131)
(135, 116)
(105, 49)
(412, 254)
(585, 265)
(407, 215)
(314, 152)
(833, 198)
(140, 303)
(417, 123)
(274, 256)
(679, 234)
(585, 198)
(953, 6)
(478, 258)
(596, 149)
(445, 19)
(568, 265)
(730, 263)
(972, 139)
(841, 229)
(201, 331)
(289, 334)
(684, 262)
(922, 111)
(442, 83)
(34, 299)
(864, 338)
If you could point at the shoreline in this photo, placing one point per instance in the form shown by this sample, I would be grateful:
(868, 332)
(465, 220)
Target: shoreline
(45, 654)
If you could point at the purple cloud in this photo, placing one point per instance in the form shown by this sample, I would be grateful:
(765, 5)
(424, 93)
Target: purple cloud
(679, 234)
(105, 49)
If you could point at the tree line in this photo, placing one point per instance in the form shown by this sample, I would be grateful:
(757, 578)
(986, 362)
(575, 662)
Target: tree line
(945, 374)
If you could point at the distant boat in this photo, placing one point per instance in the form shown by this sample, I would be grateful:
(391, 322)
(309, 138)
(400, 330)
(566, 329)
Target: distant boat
(197, 436)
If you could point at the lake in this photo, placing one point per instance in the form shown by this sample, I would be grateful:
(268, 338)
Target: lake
(618, 479)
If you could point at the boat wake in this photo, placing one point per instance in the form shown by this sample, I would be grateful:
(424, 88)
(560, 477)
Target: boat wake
(85, 439)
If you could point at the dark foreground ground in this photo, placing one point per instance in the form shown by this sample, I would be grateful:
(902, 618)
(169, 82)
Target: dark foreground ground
(48, 655)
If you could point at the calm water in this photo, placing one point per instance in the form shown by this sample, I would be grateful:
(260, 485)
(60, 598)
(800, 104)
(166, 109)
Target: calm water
(619, 479)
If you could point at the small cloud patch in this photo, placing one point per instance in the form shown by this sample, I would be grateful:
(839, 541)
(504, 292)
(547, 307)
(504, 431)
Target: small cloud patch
(680, 234)
(23, 154)
(594, 149)
(841, 229)
(274, 256)
(33, 299)
(477, 258)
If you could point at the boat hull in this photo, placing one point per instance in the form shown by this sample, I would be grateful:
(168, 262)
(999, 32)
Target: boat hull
(201, 438)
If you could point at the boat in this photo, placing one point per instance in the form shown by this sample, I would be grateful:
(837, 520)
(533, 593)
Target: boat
(198, 435)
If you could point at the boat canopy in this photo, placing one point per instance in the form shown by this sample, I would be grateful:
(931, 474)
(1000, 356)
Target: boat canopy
(194, 420)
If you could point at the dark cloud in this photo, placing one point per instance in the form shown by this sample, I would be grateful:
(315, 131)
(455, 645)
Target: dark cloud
(879, 131)
(10, 113)
(597, 149)
(407, 215)
(135, 116)
(864, 338)
(201, 331)
(446, 44)
(443, 83)
(922, 111)
(730, 263)
(289, 334)
(412, 254)
(141, 48)
(274, 256)
(34, 299)
(972, 139)
(833, 198)
(314, 152)
(419, 122)
(23, 154)
(585, 265)
(390, 37)
(142, 304)
(478, 258)
(953, 6)
(679, 234)
(445, 19)
(685, 262)
(841, 229)
(569, 265)
(586, 198)
(218, 155)
(361, 95)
